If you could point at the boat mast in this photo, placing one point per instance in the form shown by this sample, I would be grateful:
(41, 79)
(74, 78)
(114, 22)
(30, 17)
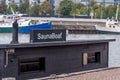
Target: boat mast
(117, 11)
(12, 11)
(102, 6)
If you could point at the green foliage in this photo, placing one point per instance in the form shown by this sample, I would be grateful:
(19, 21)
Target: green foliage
(98, 13)
(92, 2)
(45, 8)
(96, 9)
(23, 8)
(8, 11)
(34, 10)
(94, 6)
(3, 8)
(65, 7)
(14, 7)
(78, 8)
(73, 11)
(83, 10)
(110, 11)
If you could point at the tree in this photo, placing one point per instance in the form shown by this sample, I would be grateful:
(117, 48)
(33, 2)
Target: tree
(34, 10)
(93, 5)
(83, 10)
(78, 8)
(96, 7)
(65, 7)
(102, 6)
(13, 8)
(45, 8)
(73, 11)
(92, 2)
(23, 7)
(98, 12)
(3, 8)
(110, 11)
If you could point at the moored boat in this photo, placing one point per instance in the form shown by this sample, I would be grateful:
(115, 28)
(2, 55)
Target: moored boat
(25, 26)
(111, 27)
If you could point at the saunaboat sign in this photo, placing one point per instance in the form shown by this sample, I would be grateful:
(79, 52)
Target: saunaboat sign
(47, 35)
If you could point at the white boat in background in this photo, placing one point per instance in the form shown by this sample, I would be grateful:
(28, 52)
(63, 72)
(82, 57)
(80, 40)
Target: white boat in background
(111, 26)
(25, 26)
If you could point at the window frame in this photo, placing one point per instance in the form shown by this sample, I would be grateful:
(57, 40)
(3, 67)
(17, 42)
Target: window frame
(37, 61)
(96, 57)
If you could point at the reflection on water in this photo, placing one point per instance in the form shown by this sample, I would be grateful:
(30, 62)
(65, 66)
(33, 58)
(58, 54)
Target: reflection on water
(6, 38)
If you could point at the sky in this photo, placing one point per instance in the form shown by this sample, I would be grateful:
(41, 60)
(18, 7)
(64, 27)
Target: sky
(101, 0)
(106, 0)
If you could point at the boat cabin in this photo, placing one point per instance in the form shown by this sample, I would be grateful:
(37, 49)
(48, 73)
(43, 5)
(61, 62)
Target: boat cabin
(42, 59)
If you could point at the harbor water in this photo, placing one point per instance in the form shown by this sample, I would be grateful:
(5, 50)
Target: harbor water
(114, 47)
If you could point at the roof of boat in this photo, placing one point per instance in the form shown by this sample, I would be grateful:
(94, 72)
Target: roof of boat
(54, 43)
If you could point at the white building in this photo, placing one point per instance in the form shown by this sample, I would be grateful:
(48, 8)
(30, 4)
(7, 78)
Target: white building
(9, 2)
(117, 2)
(32, 2)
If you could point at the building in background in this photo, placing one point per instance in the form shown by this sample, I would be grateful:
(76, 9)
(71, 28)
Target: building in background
(17, 2)
(116, 2)
(33, 2)
(22, 1)
(52, 2)
(107, 2)
(8, 2)
(2, 1)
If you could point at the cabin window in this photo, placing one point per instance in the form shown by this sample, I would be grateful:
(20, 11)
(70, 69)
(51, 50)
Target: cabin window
(32, 64)
(91, 58)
